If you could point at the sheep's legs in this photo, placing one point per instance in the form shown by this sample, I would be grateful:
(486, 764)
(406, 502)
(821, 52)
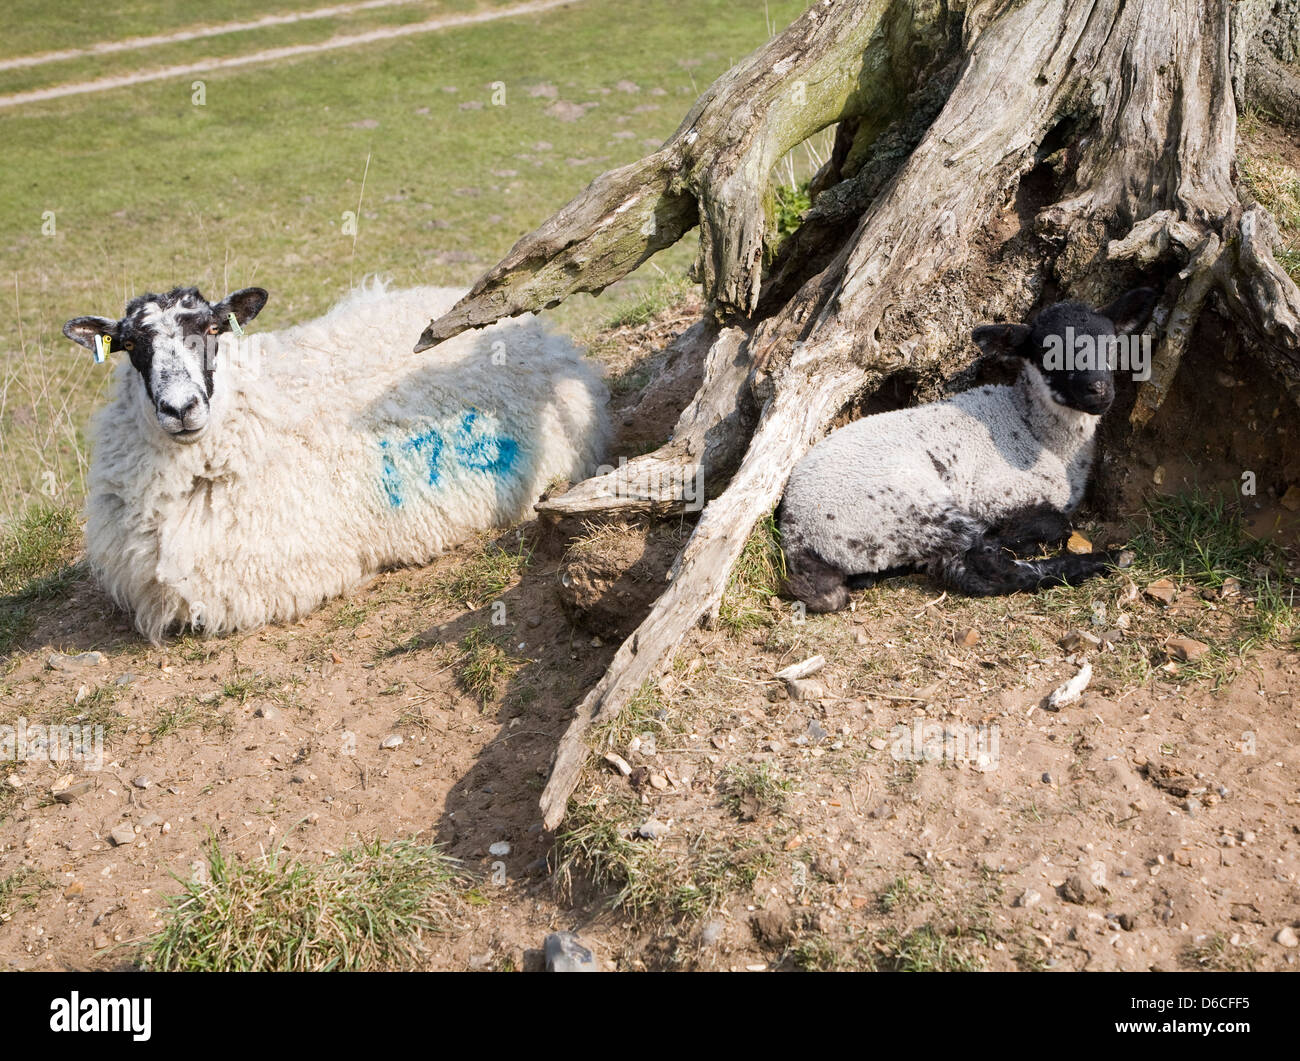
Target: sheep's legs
(1032, 529)
(985, 568)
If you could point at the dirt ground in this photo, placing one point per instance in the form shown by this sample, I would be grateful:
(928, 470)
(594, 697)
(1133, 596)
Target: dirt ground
(1154, 824)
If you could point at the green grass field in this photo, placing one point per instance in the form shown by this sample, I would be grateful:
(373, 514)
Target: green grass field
(106, 195)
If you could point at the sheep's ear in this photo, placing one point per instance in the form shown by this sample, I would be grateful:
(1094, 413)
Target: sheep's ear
(1005, 340)
(83, 330)
(245, 304)
(1130, 313)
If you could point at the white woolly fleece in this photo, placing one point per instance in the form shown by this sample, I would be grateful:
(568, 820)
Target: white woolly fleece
(332, 452)
(885, 491)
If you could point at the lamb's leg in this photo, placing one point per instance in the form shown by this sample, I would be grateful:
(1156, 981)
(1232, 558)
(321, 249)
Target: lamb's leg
(979, 565)
(1032, 530)
(809, 578)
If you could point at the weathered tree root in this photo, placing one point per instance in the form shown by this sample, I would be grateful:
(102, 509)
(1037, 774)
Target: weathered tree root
(1141, 93)
(707, 441)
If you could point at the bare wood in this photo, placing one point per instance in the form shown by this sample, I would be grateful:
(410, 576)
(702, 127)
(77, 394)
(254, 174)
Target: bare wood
(706, 440)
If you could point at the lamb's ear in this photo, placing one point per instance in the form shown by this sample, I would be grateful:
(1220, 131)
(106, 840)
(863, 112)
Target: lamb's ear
(1130, 313)
(245, 304)
(84, 329)
(1005, 340)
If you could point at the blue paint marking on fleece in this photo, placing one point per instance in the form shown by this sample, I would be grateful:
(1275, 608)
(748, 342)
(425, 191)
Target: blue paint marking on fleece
(494, 454)
(388, 475)
(474, 447)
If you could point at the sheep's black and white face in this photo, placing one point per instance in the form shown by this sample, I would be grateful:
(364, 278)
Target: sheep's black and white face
(171, 340)
(1075, 348)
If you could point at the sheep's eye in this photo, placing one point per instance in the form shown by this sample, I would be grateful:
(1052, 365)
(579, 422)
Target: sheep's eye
(213, 329)
(128, 345)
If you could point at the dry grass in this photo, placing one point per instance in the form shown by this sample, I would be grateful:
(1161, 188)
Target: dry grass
(367, 908)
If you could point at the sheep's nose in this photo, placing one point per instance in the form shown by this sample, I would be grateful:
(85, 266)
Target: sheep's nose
(1099, 387)
(178, 414)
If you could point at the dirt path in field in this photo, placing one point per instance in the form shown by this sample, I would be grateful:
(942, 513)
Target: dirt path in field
(350, 40)
(131, 44)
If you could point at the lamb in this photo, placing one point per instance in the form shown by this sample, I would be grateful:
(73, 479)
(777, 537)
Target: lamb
(239, 480)
(964, 488)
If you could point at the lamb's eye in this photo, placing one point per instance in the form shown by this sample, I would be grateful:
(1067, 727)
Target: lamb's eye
(213, 329)
(128, 345)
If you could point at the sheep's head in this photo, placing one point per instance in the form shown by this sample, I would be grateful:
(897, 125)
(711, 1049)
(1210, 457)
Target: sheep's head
(171, 341)
(1075, 349)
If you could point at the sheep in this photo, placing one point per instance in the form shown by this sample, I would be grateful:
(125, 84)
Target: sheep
(962, 488)
(239, 480)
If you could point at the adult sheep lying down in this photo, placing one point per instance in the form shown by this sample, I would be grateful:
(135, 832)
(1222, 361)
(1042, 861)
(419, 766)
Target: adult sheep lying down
(970, 488)
(238, 480)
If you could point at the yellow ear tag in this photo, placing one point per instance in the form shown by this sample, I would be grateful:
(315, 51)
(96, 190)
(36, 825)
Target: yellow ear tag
(102, 344)
(234, 326)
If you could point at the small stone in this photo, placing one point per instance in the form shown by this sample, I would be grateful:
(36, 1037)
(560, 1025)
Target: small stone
(1191, 805)
(815, 731)
(805, 689)
(1286, 935)
(63, 662)
(500, 849)
(1077, 543)
(141, 781)
(1047, 778)
(268, 712)
(878, 743)
(830, 869)
(1028, 898)
(68, 788)
(74, 890)
(1079, 891)
(651, 829)
(393, 740)
(122, 834)
(533, 622)
(124, 679)
(101, 941)
(648, 746)
(618, 763)
(1158, 476)
(1231, 588)
(1185, 649)
(1291, 499)
(967, 637)
(1128, 922)
(565, 954)
(803, 669)
(1076, 639)
(658, 781)
(149, 821)
(1162, 591)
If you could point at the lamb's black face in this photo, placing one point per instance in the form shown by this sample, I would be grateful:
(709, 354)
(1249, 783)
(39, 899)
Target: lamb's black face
(171, 341)
(1075, 348)
(1070, 345)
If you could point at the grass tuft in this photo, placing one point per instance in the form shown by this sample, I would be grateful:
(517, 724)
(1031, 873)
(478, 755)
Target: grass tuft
(1277, 187)
(483, 665)
(366, 908)
(756, 578)
(36, 556)
(482, 577)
